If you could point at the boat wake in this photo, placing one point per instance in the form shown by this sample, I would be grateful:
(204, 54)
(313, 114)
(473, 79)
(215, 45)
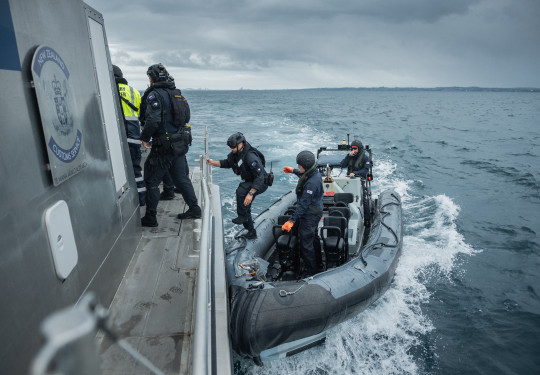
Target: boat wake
(387, 337)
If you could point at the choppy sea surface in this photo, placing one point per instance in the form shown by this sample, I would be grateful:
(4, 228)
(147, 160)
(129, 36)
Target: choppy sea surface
(465, 298)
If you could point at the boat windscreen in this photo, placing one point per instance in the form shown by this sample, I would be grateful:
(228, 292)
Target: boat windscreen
(332, 158)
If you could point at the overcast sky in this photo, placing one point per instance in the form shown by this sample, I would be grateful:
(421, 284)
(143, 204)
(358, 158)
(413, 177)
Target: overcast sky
(289, 44)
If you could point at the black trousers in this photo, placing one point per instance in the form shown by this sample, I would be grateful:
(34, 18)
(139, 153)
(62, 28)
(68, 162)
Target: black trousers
(310, 244)
(241, 210)
(154, 175)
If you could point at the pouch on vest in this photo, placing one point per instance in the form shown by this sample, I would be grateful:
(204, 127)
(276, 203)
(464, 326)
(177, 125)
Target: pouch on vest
(269, 178)
(181, 141)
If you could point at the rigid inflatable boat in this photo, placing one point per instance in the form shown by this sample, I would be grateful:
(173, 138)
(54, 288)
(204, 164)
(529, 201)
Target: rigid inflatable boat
(275, 310)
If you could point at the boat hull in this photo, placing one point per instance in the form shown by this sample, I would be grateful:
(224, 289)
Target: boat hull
(266, 315)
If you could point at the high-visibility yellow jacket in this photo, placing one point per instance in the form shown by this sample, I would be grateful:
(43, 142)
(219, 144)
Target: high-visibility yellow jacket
(131, 115)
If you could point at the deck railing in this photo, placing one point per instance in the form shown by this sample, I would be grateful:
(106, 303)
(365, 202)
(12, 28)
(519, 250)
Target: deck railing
(70, 332)
(211, 344)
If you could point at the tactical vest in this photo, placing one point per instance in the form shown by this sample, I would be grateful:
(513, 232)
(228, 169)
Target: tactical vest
(178, 112)
(243, 169)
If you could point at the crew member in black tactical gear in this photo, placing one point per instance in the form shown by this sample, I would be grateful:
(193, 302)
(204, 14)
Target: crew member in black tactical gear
(130, 102)
(357, 161)
(309, 210)
(165, 115)
(168, 184)
(247, 162)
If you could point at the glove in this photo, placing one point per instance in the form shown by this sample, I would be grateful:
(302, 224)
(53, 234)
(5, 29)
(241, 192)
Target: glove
(287, 226)
(288, 169)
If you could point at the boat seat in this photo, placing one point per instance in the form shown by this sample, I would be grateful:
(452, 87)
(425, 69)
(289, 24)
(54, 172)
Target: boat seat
(290, 211)
(343, 197)
(285, 244)
(333, 235)
(340, 211)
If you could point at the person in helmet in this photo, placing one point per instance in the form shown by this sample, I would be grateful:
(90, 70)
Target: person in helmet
(309, 210)
(247, 162)
(356, 161)
(130, 102)
(358, 164)
(165, 122)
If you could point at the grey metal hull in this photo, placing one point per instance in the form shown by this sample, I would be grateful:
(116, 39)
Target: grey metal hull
(285, 312)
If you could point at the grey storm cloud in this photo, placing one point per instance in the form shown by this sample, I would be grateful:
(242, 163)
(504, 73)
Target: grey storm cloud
(334, 43)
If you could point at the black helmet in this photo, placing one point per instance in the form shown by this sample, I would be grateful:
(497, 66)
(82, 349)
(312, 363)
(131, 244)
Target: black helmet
(306, 159)
(358, 144)
(235, 139)
(117, 72)
(158, 73)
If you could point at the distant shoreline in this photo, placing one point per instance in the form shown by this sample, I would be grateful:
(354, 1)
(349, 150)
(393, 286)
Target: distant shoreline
(456, 88)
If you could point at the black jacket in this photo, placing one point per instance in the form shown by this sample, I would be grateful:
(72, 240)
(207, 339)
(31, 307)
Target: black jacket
(156, 112)
(248, 165)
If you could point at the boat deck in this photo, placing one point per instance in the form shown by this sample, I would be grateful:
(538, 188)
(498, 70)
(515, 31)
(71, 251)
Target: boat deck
(153, 309)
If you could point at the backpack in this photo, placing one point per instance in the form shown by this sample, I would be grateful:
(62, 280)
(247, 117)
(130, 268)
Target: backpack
(268, 177)
(179, 108)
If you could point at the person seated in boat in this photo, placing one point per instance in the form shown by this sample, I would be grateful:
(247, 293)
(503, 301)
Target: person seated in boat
(309, 210)
(247, 162)
(357, 161)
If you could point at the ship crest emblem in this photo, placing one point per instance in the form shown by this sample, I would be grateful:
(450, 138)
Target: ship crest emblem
(64, 116)
(60, 117)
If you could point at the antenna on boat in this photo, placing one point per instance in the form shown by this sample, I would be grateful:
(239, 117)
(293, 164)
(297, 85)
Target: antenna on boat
(369, 176)
(348, 143)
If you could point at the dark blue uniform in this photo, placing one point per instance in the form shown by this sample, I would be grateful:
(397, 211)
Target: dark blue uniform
(158, 119)
(308, 213)
(249, 166)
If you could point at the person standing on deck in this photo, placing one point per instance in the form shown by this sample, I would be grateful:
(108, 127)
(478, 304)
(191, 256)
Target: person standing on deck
(130, 102)
(309, 210)
(165, 117)
(247, 162)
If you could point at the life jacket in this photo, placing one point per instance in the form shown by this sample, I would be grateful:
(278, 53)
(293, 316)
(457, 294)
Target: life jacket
(355, 164)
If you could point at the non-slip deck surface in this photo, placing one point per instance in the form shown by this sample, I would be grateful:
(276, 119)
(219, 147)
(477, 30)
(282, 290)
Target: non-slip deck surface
(153, 307)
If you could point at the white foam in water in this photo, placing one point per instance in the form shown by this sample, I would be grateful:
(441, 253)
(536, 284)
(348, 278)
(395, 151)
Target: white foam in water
(378, 340)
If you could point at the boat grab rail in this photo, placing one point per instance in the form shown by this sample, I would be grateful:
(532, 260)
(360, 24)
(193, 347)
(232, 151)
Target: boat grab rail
(209, 279)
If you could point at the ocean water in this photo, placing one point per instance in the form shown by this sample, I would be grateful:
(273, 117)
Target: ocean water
(465, 298)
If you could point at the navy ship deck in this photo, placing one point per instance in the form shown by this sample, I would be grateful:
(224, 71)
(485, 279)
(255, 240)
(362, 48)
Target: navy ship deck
(155, 306)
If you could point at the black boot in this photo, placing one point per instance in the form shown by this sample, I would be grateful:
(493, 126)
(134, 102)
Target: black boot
(251, 234)
(166, 195)
(240, 220)
(194, 212)
(149, 221)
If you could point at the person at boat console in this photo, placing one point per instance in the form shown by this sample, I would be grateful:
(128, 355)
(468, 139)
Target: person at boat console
(165, 114)
(247, 162)
(356, 161)
(309, 210)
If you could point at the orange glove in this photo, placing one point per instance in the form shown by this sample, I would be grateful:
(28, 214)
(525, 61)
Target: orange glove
(288, 169)
(287, 226)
